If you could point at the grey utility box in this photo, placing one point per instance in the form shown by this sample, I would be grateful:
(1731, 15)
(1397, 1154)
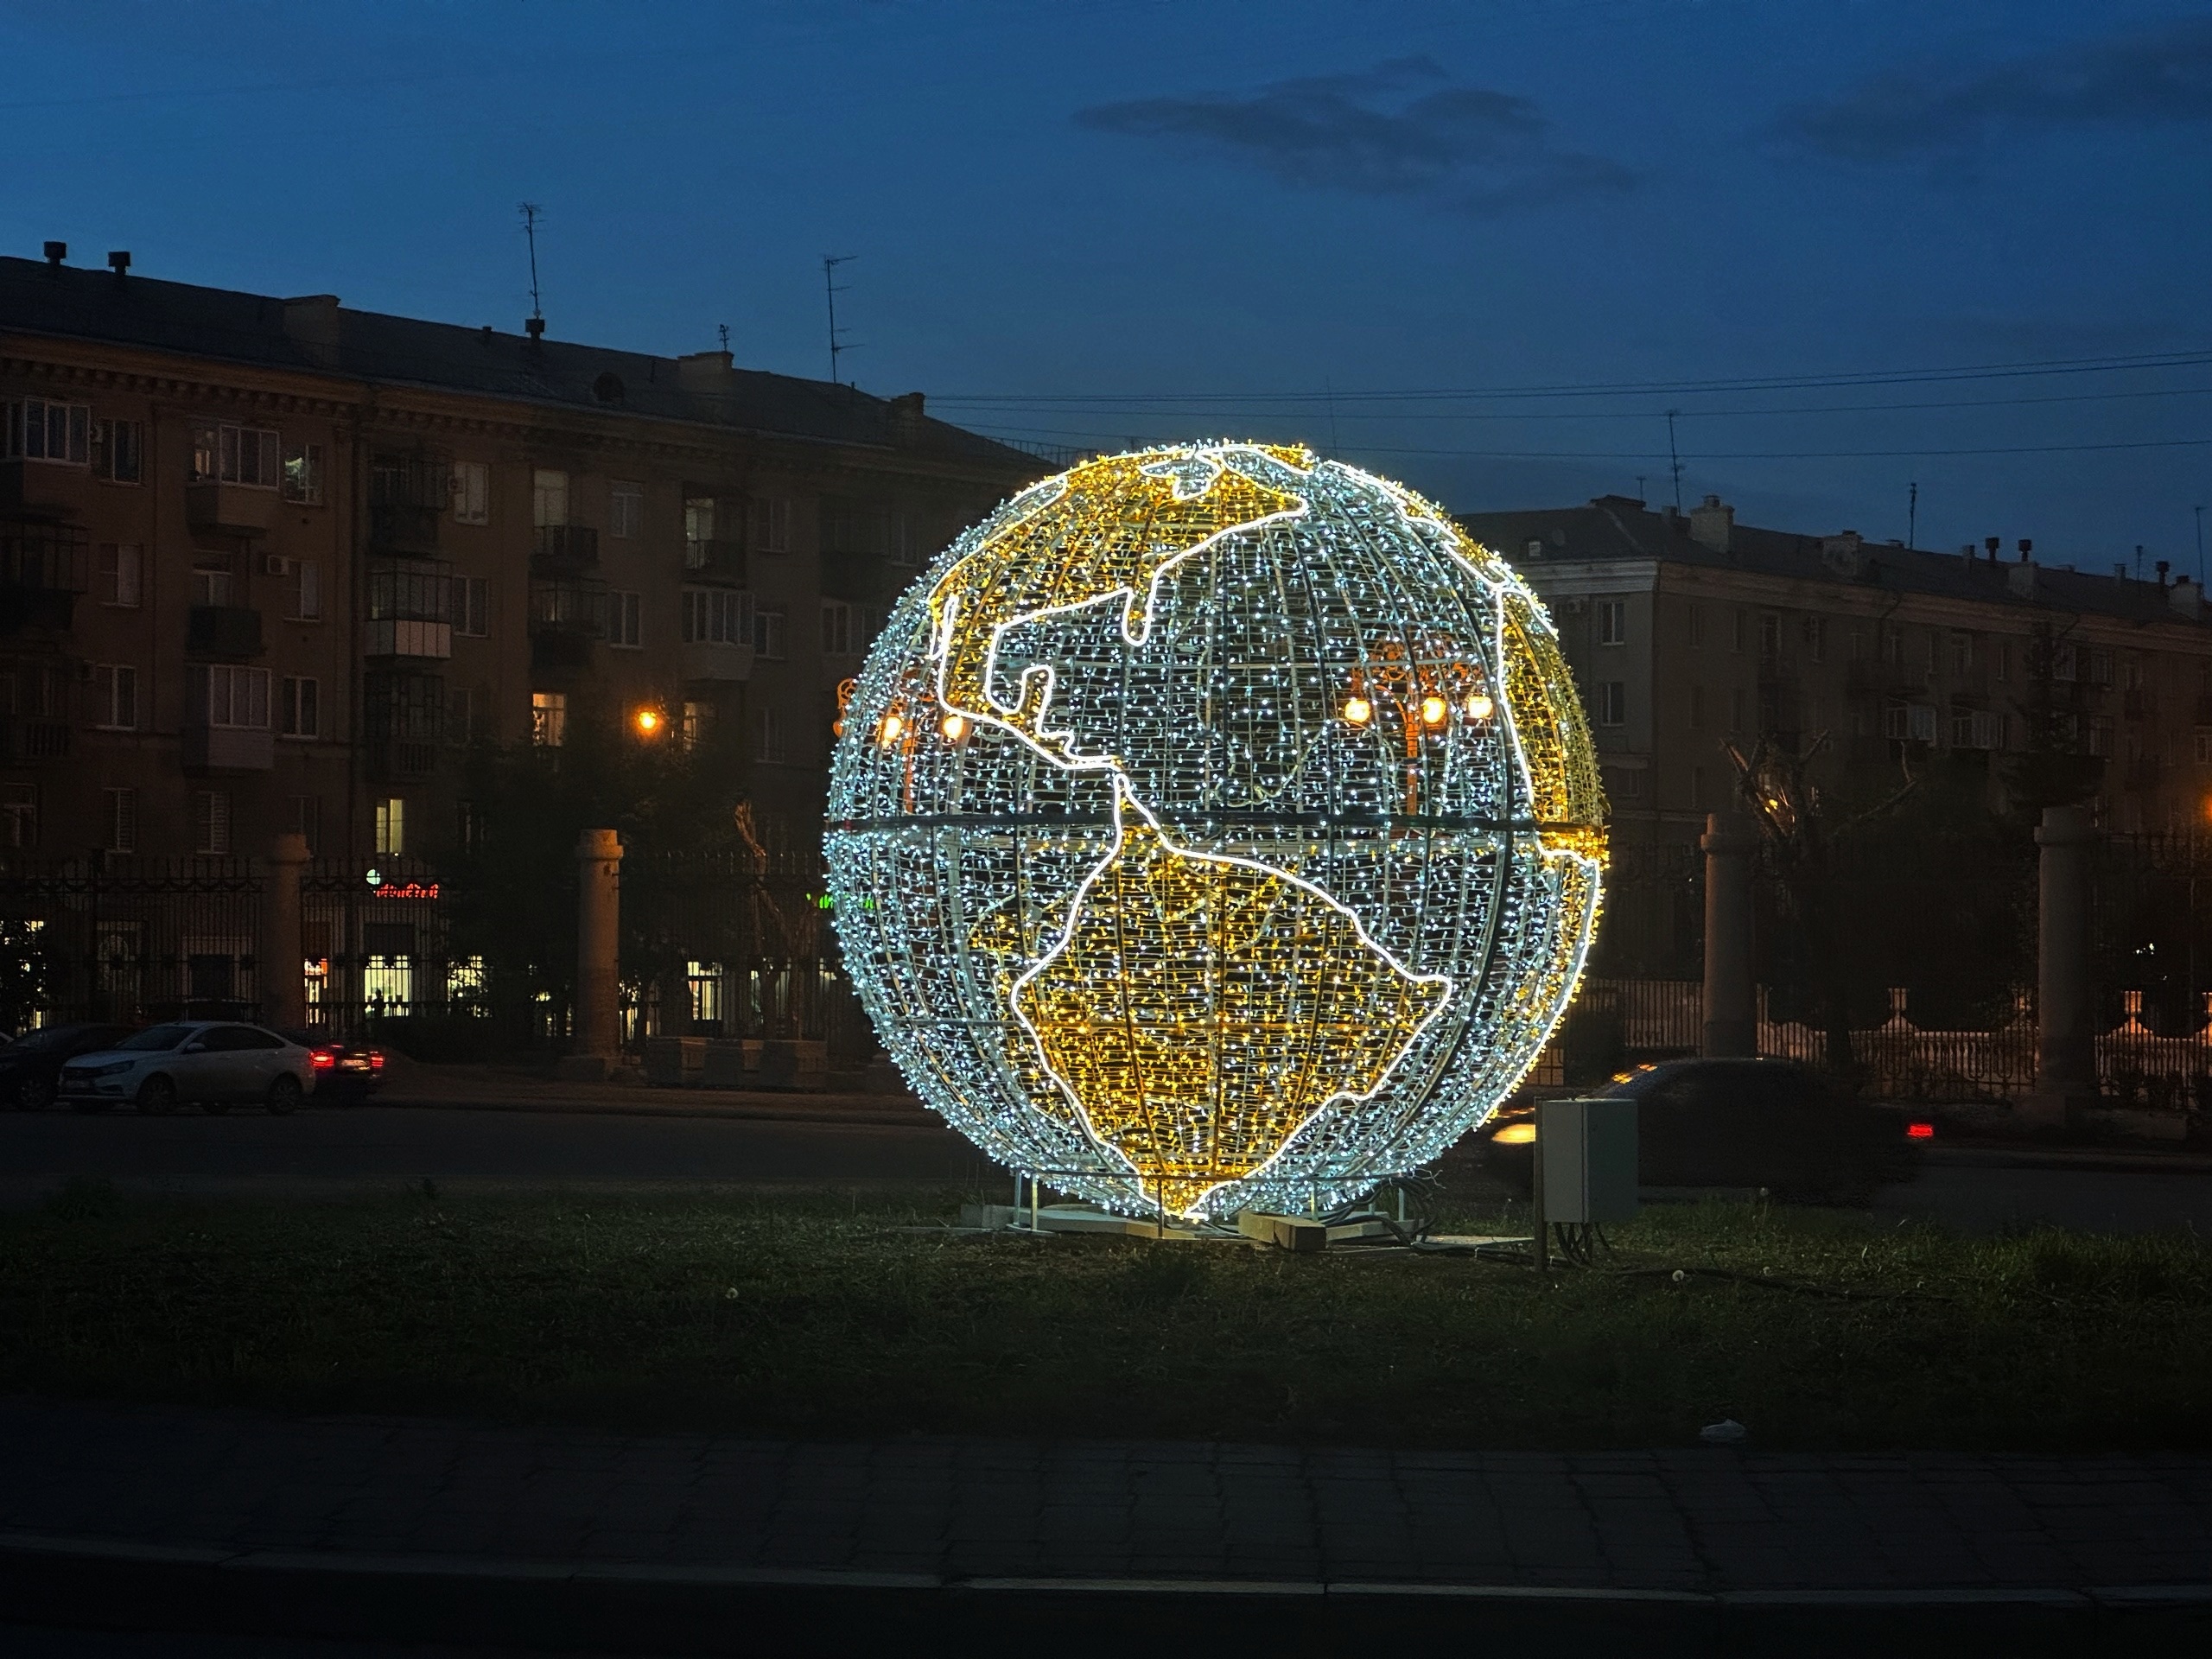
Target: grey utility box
(1586, 1150)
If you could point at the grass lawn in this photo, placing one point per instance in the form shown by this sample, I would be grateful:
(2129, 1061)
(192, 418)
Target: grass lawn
(833, 1316)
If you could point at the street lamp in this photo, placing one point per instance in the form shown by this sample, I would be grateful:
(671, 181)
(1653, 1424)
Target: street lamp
(648, 722)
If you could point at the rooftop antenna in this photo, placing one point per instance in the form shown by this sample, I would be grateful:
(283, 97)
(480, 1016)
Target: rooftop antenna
(1912, 515)
(1640, 477)
(831, 289)
(722, 329)
(530, 210)
(1675, 459)
(2200, 547)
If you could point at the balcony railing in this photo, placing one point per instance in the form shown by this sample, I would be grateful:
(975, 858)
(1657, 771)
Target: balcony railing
(229, 748)
(230, 509)
(402, 760)
(564, 551)
(223, 631)
(411, 609)
(577, 608)
(722, 562)
(41, 573)
(408, 495)
(27, 741)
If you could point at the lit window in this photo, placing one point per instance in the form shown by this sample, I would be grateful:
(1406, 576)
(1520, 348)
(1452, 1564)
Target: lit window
(303, 474)
(549, 718)
(391, 826)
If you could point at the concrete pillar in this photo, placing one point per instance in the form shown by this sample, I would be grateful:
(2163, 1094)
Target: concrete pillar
(596, 1036)
(1731, 1011)
(2066, 1060)
(283, 946)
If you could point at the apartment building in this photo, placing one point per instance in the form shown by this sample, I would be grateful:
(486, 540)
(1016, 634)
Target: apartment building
(272, 563)
(1688, 631)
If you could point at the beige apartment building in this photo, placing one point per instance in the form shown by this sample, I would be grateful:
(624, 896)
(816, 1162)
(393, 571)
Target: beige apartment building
(1688, 632)
(272, 563)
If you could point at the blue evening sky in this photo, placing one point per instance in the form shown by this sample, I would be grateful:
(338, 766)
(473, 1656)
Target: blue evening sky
(1123, 218)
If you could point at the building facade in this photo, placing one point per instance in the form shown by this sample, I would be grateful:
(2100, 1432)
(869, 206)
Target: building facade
(270, 565)
(1689, 633)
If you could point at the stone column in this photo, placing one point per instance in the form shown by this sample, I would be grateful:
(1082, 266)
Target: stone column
(283, 945)
(1731, 1011)
(596, 1034)
(2066, 1060)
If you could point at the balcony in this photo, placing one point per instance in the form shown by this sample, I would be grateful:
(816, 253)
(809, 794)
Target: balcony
(409, 610)
(564, 551)
(29, 742)
(723, 662)
(41, 573)
(408, 495)
(228, 748)
(722, 562)
(46, 487)
(230, 509)
(224, 630)
(402, 760)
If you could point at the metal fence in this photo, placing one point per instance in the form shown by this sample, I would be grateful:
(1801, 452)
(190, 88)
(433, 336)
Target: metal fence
(129, 939)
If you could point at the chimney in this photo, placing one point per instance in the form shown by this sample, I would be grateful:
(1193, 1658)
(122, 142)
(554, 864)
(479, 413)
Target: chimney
(1992, 543)
(119, 261)
(311, 323)
(2164, 566)
(705, 372)
(56, 253)
(535, 327)
(1712, 524)
(2026, 548)
(906, 419)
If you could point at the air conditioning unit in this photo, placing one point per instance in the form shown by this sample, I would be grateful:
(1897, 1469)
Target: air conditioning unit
(277, 565)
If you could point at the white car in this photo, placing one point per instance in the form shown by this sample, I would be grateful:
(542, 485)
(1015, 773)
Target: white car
(218, 1063)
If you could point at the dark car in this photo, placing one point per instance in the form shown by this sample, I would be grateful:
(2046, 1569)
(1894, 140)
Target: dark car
(1772, 1124)
(30, 1067)
(344, 1069)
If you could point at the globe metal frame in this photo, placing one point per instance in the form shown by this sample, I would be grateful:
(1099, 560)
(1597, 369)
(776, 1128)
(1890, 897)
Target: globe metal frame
(1215, 827)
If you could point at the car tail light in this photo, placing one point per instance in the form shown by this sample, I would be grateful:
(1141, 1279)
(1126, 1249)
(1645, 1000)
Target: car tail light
(376, 1060)
(1920, 1131)
(324, 1058)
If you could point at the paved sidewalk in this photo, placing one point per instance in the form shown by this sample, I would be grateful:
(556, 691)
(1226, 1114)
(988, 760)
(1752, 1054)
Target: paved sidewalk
(1680, 1534)
(515, 1088)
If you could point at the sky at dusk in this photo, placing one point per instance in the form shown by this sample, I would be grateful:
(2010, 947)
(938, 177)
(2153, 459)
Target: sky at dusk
(1482, 247)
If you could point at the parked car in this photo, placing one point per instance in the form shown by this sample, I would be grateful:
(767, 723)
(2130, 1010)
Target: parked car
(344, 1069)
(1773, 1124)
(30, 1066)
(217, 1062)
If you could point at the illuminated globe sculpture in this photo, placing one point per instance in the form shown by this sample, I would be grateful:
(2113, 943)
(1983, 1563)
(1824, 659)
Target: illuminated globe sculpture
(1215, 827)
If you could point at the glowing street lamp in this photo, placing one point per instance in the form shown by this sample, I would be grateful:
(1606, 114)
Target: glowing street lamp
(648, 722)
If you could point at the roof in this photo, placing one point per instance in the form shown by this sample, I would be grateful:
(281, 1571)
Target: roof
(316, 335)
(1622, 527)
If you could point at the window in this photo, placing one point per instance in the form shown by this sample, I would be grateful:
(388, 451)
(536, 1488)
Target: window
(1612, 702)
(303, 474)
(306, 590)
(2001, 669)
(225, 696)
(211, 821)
(549, 718)
(1535, 547)
(211, 582)
(2204, 745)
(461, 716)
(908, 540)
(1697, 708)
(119, 817)
(623, 611)
(299, 702)
(2100, 665)
(1623, 783)
(472, 606)
(472, 492)
(1857, 642)
(1934, 654)
(549, 499)
(849, 630)
(1612, 622)
(118, 451)
(1892, 645)
(1961, 652)
(222, 454)
(303, 816)
(1913, 722)
(2065, 660)
(698, 530)
(1694, 616)
(1977, 729)
(391, 826)
(115, 696)
(2100, 734)
(768, 633)
(19, 815)
(1816, 639)
(120, 562)
(717, 616)
(771, 525)
(769, 749)
(1736, 629)
(698, 716)
(39, 430)
(1770, 636)
(625, 510)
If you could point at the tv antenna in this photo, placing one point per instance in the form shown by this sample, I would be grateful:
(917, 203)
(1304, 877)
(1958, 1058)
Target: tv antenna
(1912, 514)
(530, 211)
(722, 329)
(1674, 458)
(831, 289)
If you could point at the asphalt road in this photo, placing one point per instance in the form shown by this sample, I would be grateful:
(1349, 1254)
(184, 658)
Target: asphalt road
(336, 1152)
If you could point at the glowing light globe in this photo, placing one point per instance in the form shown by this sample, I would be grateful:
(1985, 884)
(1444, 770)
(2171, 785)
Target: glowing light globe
(1215, 827)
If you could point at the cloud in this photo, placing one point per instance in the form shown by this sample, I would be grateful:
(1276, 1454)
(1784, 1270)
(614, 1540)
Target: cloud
(1399, 128)
(2156, 77)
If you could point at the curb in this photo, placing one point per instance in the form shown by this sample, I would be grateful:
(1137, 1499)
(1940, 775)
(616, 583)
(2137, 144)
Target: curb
(613, 1606)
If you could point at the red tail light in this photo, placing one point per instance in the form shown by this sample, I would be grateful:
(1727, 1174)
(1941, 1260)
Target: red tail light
(323, 1059)
(376, 1060)
(1920, 1131)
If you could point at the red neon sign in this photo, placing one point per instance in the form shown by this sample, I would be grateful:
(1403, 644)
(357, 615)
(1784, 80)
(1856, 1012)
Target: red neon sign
(411, 890)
